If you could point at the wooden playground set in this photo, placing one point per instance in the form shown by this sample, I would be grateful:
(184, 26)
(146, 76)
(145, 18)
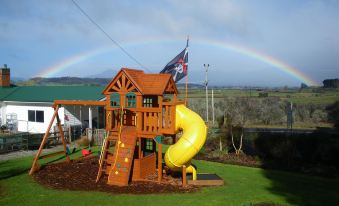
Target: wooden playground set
(141, 109)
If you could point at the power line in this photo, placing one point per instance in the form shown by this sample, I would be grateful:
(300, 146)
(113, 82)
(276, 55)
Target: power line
(109, 37)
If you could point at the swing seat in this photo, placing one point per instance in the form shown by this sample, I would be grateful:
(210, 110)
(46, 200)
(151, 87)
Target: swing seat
(86, 152)
(70, 151)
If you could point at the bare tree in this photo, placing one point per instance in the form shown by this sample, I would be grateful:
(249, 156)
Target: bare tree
(238, 111)
(220, 120)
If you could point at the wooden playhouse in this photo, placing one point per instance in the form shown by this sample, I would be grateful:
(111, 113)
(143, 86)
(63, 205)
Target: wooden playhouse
(140, 109)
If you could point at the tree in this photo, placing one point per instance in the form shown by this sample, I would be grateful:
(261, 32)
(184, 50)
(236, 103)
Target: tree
(333, 113)
(237, 113)
(220, 120)
(331, 83)
(271, 111)
(303, 86)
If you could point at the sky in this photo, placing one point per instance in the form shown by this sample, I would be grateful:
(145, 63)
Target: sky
(246, 43)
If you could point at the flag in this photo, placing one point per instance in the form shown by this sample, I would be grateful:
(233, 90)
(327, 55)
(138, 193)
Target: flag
(66, 117)
(177, 67)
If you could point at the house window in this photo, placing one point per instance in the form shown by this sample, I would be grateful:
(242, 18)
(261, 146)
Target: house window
(115, 100)
(35, 116)
(39, 116)
(31, 115)
(130, 100)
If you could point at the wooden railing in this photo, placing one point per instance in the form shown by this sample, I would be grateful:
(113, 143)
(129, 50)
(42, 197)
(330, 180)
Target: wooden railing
(168, 118)
(148, 121)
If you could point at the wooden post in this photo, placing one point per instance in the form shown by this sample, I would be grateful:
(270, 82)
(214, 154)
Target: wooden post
(43, 142)
(139, 149)
(184, 177)
(69, 134)
(159, 162)
(139, 114)
(62, 137)
(160, 117)
(172, 113)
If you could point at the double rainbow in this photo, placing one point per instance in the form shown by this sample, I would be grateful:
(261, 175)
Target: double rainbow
(249, 52)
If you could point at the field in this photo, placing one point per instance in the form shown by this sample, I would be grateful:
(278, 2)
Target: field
(315, 96)
(270, 105)
(243, 186)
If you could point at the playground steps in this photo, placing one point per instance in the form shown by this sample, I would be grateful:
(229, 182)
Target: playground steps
(119, 165)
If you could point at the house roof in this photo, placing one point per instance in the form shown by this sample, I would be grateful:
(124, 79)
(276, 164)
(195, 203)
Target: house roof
(147, 84)
(50, 93)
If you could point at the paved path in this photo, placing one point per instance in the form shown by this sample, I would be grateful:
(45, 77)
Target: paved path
(25, 153)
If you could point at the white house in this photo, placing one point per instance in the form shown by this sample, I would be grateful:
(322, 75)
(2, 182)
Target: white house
(28, 108)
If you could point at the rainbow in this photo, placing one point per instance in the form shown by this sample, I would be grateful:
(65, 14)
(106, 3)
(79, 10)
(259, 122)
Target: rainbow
(249, 52)
(68, 62)
(282, 66)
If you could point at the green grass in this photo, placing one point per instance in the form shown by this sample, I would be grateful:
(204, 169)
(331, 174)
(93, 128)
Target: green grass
(320, 96)
(243, 186)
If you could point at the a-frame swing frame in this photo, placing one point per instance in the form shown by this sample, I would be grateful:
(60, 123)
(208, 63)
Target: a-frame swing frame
(35, 165)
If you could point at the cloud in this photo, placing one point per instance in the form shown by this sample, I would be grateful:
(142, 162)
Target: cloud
(301, 33)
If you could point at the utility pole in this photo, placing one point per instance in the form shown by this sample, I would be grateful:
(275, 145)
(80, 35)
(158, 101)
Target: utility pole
(206, 86)
(212, 107)
(290, 116)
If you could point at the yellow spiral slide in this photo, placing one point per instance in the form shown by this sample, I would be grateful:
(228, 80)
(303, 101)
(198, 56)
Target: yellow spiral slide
(193, 138)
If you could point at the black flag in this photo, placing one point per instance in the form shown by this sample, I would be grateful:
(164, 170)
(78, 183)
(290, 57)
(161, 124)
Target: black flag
(178, 66)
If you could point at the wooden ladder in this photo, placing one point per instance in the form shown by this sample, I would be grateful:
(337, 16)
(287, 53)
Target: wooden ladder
(103, 155)
(119, 171)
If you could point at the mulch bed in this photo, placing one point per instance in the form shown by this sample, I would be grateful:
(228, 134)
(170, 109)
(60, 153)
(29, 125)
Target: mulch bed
(80, 175)
(231, 158)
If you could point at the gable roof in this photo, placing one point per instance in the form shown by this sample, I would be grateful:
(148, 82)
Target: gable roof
(50, 93)
(146, 84)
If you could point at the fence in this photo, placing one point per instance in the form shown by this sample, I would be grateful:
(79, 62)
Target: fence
(10, 142)
(27, 141)
(97, 135)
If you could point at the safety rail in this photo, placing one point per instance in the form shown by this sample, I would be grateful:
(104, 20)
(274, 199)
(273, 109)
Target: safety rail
(150, 121)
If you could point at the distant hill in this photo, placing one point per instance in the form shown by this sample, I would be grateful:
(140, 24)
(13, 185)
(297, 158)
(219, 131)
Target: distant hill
(109, 73)
(55, 81)
(39, 81)
(190, 85)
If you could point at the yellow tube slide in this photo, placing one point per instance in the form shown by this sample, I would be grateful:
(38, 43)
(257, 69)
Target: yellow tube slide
(193, 138)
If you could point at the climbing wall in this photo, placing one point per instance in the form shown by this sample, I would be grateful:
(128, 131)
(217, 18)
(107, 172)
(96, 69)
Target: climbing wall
(121, 161)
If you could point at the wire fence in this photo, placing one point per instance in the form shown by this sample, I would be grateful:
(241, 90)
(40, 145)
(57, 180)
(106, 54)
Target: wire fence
(19, 141)
(96, 135)
(10, 142)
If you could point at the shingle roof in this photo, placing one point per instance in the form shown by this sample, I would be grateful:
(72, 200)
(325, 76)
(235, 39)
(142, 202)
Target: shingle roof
(50, 93)
(149, 84)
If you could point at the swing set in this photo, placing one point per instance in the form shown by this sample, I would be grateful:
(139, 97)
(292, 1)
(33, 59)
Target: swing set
(57, 104)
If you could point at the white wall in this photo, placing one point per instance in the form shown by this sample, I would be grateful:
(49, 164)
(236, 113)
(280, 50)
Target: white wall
(21, 109)
(75, 115)
(3, 113)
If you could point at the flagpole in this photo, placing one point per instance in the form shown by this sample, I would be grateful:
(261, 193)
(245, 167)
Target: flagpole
(186, 95)
(186, 84)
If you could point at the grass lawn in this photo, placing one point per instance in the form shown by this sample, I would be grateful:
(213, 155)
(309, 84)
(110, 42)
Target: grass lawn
(324, 97)
(243, 186)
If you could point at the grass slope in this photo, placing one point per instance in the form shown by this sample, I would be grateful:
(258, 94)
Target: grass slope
(243, 186)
